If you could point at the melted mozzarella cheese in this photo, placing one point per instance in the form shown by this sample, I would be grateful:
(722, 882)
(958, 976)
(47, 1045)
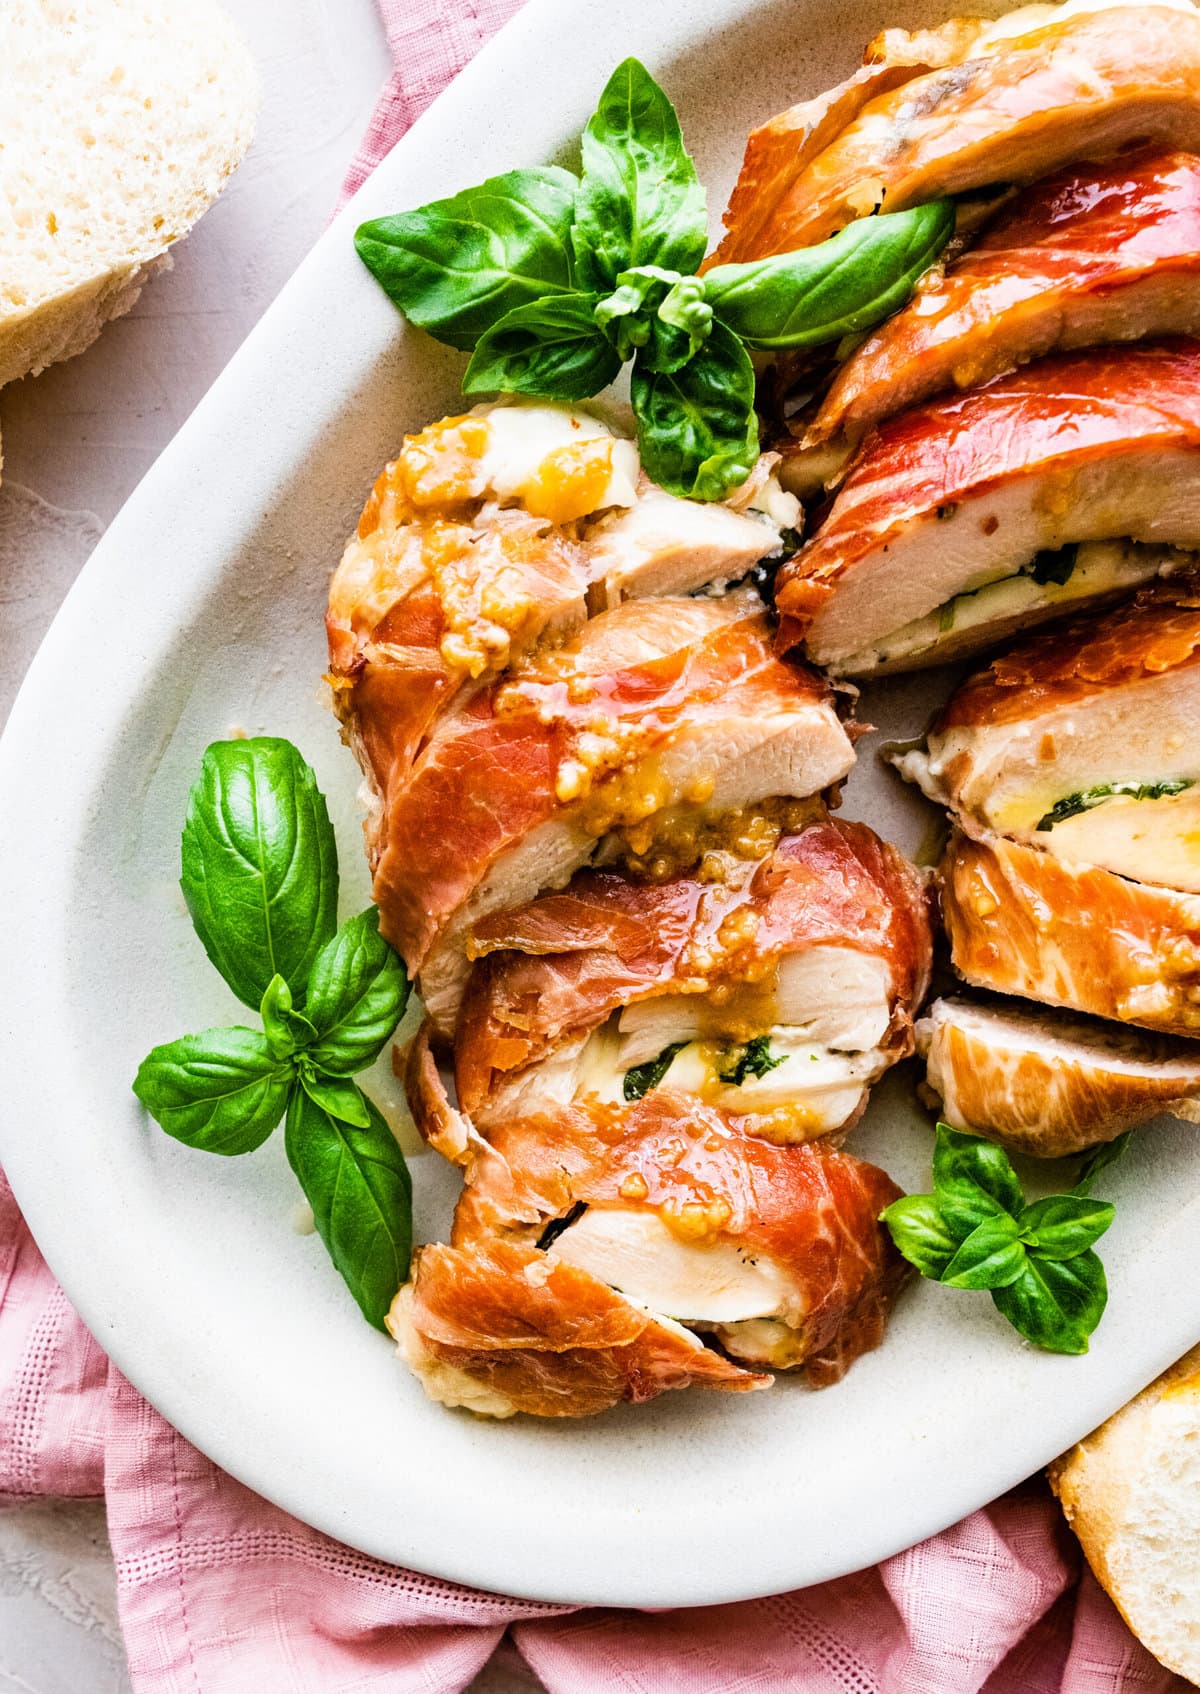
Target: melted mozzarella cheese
(635, 1253)
(531, 445)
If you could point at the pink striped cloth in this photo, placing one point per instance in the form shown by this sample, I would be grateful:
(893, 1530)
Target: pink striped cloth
(221, 1593)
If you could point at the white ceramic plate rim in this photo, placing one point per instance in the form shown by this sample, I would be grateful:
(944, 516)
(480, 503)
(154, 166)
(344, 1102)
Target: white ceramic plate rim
(703, 1561)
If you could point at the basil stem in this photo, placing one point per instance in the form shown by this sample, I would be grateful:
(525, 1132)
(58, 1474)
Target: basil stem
(840, 287)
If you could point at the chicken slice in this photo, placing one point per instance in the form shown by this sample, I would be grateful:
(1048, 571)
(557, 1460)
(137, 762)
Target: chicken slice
(950, 528)
(504, 1328)
(1082, 741)
(666, 713)
(779, 993)
(1021, 921)
(1050, 1083)
(1096, 254)
(776, 1251)
(1015, 102)
(665, 545)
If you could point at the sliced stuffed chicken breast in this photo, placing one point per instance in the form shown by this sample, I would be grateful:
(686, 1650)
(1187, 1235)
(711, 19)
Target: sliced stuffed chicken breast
(1099, 253)
(1021, 921)
(645, 735)
(972, 516)
(776, 989)
(773, 1252)
(503, 1328)
(1083, 741)
(1007, 103)
(1050, 1083)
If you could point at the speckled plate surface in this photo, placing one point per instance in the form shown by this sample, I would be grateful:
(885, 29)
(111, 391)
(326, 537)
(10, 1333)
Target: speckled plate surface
(200, 610)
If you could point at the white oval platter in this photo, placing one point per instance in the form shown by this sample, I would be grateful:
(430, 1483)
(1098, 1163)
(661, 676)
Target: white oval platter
(200, 610)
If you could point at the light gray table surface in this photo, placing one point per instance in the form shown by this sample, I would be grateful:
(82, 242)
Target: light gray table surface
(76, 441)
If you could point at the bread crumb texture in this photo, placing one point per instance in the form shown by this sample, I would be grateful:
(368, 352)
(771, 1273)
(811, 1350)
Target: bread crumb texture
(122, 120)
(1131, 1493)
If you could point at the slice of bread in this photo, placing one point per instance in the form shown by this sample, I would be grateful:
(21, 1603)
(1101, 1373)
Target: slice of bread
(122, 120)
(1131, 1493)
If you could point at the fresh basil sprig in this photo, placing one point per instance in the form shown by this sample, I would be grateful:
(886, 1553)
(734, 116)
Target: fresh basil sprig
(260, 878)
(553, 282)
(976, 1231)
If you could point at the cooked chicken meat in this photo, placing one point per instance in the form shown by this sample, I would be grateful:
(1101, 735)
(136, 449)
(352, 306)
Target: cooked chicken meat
(778, 993)
(502, 1328)
(950, 528)
(1050, 1083)
(1083, 741)
(775, 1252)
(1007, 103)
(656, 715)
(1021, 921)
(1095, 254)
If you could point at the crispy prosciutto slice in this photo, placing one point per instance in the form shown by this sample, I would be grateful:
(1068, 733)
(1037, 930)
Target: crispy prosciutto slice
(1083, 741)
(1011, 103)
(1023, 922)
(778, 993)
(503, 1328)
(774, 1251)
(1095, 254)
(959, 521)
(659, 714)
(1050, 1083)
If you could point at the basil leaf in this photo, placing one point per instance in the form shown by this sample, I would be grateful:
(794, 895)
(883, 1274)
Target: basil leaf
(990, 1257)
(1099, 1160)
(840, 287)
(337, 1095)
(553, 348)
(640, 201)
(457, 266)
(1064, 1224)
(357, 1183)
(284, 1028)
(754, 1059)
(222, 1091)
(973, 1180)
(259, 865)
(919, 1231)
(1072, 805)
(357, 993)
(697, 427)
(1056, 1304)
(642, 1078)
(1055, 564)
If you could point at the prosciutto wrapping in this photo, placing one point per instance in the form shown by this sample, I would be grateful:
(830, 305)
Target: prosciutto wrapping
(949, 530)
(1003, 103)
(819, 953)
(773, 1252)
(1049, 1083)
(1095, 254)
(1023, 922)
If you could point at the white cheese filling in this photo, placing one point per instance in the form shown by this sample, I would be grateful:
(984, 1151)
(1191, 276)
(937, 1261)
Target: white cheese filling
(635, 1253)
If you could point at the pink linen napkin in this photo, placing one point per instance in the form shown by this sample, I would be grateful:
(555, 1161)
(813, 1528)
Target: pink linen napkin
(221, 1593)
